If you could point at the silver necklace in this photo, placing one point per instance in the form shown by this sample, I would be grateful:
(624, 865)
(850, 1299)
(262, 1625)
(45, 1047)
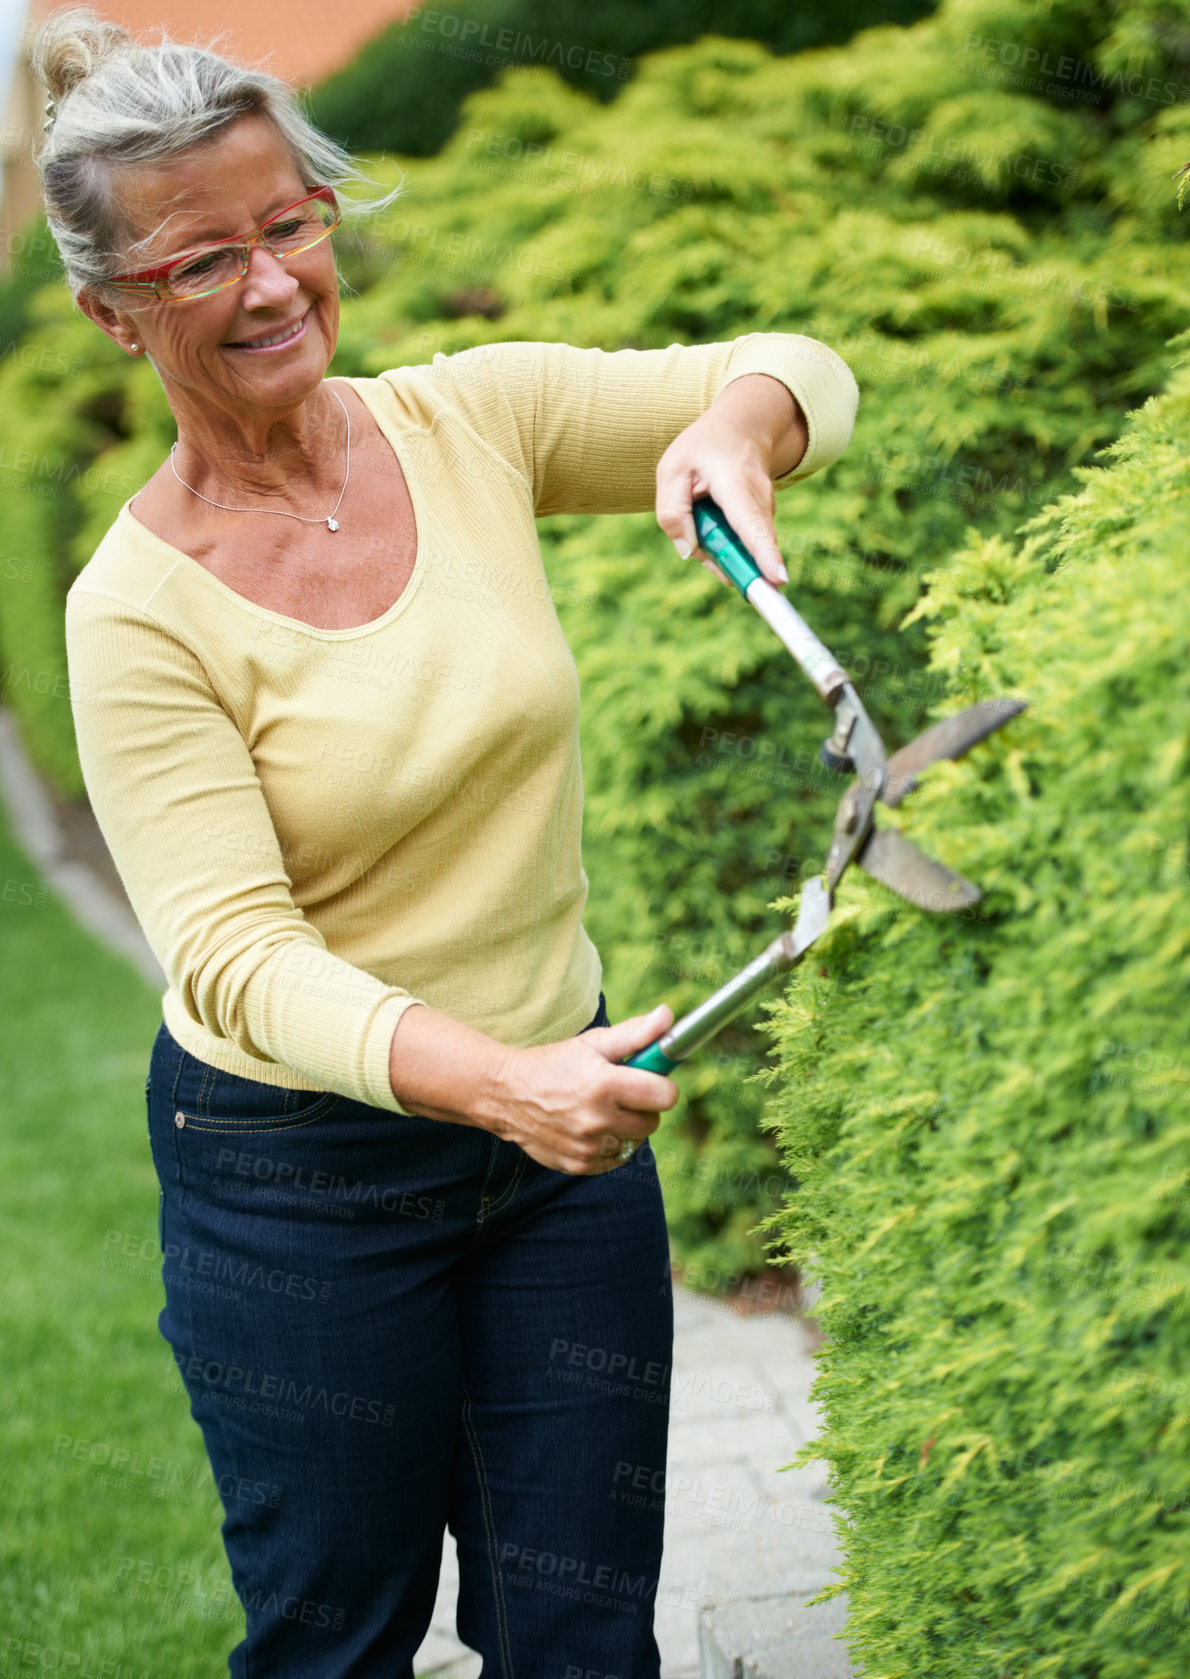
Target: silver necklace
(328, 519)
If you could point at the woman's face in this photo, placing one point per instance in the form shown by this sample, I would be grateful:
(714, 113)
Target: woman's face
(217, 352)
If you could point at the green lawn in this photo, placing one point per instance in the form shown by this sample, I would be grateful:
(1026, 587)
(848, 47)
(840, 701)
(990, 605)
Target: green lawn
(111, 1555)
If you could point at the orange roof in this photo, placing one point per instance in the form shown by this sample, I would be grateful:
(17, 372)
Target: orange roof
(299, 40)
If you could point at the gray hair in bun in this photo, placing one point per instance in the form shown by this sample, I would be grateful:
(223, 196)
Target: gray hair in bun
(115, 103)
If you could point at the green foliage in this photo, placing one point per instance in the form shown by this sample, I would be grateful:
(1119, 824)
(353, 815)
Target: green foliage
(987, 1121)
(405, 90)
(1002, 311)
(81, 429)
(32, 259)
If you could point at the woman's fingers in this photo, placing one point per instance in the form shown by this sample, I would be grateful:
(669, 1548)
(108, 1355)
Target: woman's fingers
(675, 496)
(577, 1104)
(748, 506)
(619, 1042)
(742, 488)
(594, 1151)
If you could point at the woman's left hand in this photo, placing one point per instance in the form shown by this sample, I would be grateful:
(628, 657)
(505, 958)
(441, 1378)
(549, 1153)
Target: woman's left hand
(753, 432)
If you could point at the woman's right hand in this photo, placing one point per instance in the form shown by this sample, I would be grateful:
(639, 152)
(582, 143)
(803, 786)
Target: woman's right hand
(569, 1105)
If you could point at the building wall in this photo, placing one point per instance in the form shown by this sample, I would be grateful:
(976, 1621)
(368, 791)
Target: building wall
(302, 41)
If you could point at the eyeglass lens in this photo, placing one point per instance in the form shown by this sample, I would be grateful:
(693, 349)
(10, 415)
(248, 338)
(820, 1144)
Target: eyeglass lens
(213, 267)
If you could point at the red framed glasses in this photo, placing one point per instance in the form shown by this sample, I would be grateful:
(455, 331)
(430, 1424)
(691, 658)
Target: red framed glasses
(215, 267)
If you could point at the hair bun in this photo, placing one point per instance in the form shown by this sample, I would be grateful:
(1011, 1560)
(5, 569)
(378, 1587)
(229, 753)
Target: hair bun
(71, 44)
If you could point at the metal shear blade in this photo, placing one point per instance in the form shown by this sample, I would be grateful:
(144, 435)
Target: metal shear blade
(952, 738)
(885, 853)
(898, 864)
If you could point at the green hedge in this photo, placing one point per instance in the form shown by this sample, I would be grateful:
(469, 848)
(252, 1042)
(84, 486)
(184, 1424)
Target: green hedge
(404, 90)
(988, 1124)
(1001, 318)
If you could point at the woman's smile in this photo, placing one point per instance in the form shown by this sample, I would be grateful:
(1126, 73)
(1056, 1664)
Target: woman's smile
(278, 340)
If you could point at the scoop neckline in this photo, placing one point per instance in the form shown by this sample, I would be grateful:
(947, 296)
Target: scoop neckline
(266, 612)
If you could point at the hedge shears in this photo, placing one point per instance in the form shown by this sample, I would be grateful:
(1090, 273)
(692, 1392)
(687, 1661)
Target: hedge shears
(854, 747)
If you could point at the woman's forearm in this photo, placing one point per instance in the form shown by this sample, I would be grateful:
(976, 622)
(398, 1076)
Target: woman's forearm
(446, 1070)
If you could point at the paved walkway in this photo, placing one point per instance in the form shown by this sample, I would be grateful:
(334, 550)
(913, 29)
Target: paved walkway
(745, 1543)
(71, 855)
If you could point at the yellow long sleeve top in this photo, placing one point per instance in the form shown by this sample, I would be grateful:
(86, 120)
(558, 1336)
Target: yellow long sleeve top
(317, 828)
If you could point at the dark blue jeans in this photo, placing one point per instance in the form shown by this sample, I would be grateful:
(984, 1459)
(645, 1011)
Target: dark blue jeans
(387, 1325)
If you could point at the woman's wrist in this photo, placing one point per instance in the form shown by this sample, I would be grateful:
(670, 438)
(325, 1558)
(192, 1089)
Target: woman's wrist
(768, 413)
(447, 1071)
(571, 1105)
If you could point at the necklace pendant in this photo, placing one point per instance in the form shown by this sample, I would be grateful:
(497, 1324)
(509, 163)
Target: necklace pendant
(332, 524)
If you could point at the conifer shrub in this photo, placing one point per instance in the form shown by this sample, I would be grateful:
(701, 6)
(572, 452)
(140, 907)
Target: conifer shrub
(1000, 265)
(987, 1120)
(403, 91)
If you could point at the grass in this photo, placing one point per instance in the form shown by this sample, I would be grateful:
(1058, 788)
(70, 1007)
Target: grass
(109, 1544)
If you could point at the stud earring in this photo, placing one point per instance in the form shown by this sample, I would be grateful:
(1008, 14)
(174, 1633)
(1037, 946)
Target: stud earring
(135, 348)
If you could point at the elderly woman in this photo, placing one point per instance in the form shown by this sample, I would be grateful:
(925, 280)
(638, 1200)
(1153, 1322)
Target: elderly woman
(417, 1268)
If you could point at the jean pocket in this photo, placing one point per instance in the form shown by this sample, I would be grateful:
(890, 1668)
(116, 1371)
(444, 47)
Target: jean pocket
(209, 1100)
